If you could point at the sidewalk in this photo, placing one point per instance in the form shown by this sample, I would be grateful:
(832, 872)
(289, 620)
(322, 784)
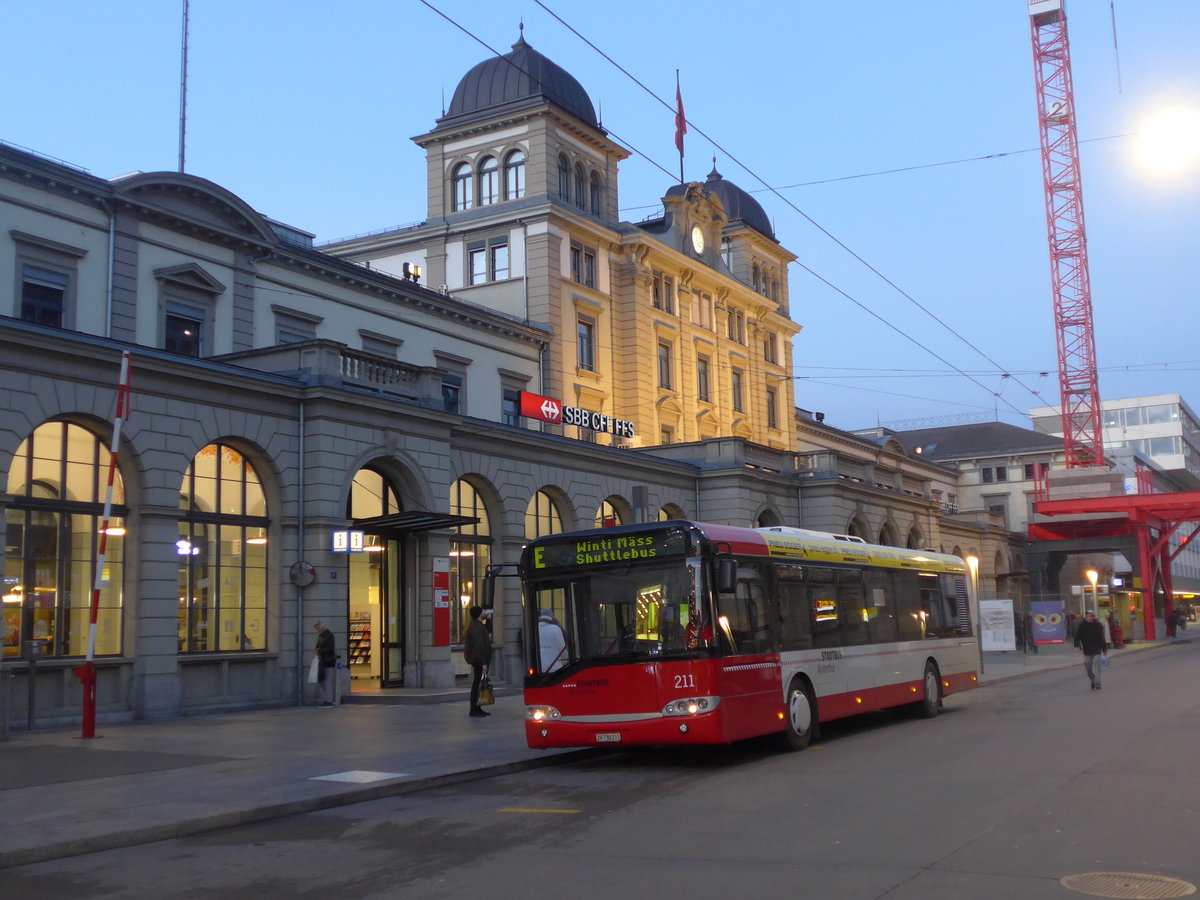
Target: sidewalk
(140, 782)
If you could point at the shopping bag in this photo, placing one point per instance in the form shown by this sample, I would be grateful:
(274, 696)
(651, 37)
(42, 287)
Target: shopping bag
(486, 695)
(1104, 660)
(314, 671)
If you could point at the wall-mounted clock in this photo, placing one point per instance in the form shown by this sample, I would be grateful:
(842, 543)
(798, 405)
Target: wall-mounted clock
(697, 238)
(302, 574)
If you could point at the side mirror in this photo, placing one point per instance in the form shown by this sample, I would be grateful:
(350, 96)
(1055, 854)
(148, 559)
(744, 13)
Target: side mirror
(727, 570)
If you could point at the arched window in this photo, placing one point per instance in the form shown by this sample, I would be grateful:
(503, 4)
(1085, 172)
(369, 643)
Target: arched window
(460, 187)
(767, 519)
(564, 178)
(222, 554)
(857, 528)
(489, 181)
(371, 496)
(542, 516)
(580, 186)
(608, 515)
(670, 512)
(915, 541)
(595, 193)
(514, 175)
(887, 535)
(58, 483)
(470, 553)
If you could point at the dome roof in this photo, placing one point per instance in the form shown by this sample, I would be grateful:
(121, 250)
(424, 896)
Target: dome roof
(739, 204)
(523, 74)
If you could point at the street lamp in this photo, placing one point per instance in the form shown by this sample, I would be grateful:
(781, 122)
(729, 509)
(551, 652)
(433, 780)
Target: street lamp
(973, 568)
(1092, 575)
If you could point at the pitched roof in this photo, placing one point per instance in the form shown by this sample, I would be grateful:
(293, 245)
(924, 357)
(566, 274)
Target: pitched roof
(984, 439)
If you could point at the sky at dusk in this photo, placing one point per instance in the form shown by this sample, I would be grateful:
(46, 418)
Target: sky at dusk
(899, 136)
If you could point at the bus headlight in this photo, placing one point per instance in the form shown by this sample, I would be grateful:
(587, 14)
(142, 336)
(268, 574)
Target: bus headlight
(541, 713)
(691, 706)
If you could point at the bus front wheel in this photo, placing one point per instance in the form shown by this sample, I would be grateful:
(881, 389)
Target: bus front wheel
(801, 716)
(931, 705)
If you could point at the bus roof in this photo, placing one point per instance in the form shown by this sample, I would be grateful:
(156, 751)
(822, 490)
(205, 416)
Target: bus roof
(782, 544)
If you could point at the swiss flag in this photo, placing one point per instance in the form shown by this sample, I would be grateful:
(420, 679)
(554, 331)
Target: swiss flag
(680, 121)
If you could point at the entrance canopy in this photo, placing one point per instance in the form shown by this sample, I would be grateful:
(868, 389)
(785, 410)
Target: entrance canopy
(406, 522)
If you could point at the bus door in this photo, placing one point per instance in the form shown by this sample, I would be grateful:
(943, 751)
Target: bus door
(748, 620)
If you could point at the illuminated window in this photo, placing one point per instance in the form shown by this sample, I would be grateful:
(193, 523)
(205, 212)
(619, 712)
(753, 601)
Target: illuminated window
(542, 516)
(470, 553)
(222, 554)
(58, 484)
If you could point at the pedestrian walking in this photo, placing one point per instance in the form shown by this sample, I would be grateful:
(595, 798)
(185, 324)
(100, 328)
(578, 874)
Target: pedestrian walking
(1029, 641)
(1089, 638)
(477, 650)
(326, 654)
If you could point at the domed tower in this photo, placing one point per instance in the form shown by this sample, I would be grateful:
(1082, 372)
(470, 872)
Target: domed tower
(520, 129)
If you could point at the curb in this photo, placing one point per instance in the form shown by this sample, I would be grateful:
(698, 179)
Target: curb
(1132, 648)
(136, 836)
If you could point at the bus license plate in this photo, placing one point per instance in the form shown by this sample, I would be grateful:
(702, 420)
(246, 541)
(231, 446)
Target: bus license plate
(610, 737)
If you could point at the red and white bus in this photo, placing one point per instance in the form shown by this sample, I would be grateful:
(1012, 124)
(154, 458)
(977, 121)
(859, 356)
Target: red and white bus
(685, 633)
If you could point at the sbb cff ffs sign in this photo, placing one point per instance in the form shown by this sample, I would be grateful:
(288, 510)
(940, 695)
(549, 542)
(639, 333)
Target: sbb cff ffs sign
(547, 409)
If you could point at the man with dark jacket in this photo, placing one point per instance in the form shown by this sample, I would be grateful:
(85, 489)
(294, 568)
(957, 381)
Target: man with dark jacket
(326, 654)
(477, 650)
(1089, 637)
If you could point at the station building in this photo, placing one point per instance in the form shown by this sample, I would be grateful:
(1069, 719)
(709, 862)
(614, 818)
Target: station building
(287, 398)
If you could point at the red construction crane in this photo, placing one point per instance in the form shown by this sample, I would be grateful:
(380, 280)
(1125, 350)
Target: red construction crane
(1078, 388)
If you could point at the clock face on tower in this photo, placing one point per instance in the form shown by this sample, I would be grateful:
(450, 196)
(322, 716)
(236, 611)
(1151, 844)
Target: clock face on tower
(697, 239)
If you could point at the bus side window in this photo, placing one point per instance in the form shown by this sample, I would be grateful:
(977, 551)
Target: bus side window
(939, 622)
(795, 619)
(852, 603)
(881, 607)
(908, 606)
(823, 607)
(751, 615)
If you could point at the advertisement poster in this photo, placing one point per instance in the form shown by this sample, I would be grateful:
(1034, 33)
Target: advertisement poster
(1049, 625)
(996, 625)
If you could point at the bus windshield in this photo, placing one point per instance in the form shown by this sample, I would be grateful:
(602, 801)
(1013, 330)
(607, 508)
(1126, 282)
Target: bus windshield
(637, 611)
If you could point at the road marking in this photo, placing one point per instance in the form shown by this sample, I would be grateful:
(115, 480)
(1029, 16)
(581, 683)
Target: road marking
(549, 812)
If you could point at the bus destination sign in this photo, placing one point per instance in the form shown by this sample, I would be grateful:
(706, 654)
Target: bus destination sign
(618, 548)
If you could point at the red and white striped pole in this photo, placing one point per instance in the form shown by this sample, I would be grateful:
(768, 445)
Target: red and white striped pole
(86, 673)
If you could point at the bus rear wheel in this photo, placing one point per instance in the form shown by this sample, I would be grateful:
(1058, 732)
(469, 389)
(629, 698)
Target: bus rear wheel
(931, 705)
(801, 716)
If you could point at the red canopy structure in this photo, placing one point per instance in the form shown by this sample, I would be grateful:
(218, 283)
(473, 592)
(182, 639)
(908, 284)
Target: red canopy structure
(1152, 519)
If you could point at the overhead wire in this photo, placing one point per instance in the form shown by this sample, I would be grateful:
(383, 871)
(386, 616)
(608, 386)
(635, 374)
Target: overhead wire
(767, 187)
(728, 154)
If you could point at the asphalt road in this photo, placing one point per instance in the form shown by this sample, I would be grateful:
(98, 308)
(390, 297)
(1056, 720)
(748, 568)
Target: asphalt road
(1015, 786)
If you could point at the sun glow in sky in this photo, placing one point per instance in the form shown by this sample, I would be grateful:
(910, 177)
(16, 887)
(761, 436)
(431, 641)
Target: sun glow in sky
(1171, 140)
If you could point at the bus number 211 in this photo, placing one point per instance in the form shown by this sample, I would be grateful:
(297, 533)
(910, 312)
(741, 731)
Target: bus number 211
(685, 681)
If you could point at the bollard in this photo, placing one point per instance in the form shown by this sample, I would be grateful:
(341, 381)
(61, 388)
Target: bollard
(33, 649)
(5, 698)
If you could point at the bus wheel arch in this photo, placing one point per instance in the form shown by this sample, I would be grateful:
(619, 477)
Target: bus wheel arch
(931, 702)
(801, 723)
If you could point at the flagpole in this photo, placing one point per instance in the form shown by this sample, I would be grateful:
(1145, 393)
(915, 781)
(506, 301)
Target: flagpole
(680, 124)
